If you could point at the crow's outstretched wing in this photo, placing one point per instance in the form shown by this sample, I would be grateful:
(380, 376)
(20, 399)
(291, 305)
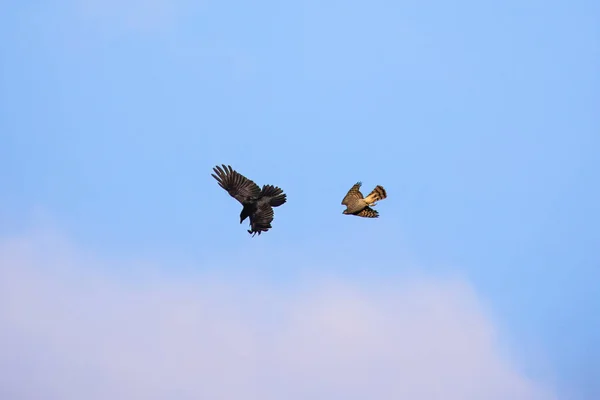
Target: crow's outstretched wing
(237, 185)
(260, 220)
(353, 193)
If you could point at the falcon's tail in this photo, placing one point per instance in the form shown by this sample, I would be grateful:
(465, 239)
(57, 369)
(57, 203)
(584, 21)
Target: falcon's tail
(377, 194)
(277, 197)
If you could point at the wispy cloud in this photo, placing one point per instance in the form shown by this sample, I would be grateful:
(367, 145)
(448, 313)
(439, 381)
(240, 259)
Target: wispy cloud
(72, 329)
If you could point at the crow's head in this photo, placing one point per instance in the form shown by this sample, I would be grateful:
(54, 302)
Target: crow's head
(246, 211)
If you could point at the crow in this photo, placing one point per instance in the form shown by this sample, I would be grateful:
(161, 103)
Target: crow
(257, 204)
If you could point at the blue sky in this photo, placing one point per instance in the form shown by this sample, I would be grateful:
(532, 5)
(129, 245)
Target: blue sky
(480, 120)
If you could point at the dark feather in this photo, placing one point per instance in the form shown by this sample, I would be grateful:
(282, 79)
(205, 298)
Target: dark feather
(258, 204)
(275, 195)
(260, 220)
(237, 185)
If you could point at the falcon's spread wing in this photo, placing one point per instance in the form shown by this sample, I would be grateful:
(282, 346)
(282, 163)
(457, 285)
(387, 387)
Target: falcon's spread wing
(237, 185)
(368, 212)
(353, 193)
(260, 221)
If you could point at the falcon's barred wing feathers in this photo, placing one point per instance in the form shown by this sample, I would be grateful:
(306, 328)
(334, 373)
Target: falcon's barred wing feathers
(353, 193)
(368, 212)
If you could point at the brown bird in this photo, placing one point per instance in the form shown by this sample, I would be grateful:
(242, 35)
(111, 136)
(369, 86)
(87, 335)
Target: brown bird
(357, 205)
(257, 204)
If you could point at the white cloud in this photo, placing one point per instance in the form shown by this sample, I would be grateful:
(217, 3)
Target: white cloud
(74, 328)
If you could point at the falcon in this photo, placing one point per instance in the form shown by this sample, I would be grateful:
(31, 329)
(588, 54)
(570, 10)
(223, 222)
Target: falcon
(360, 206)
(257, 203)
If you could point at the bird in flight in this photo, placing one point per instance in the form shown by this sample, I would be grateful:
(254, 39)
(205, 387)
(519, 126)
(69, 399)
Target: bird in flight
(358, 205)
(257, 204)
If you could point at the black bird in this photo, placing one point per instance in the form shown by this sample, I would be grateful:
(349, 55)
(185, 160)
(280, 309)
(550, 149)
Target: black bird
(257, 204)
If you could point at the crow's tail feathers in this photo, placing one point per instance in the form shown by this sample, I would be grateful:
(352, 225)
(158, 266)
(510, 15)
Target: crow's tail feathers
(277, 197)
